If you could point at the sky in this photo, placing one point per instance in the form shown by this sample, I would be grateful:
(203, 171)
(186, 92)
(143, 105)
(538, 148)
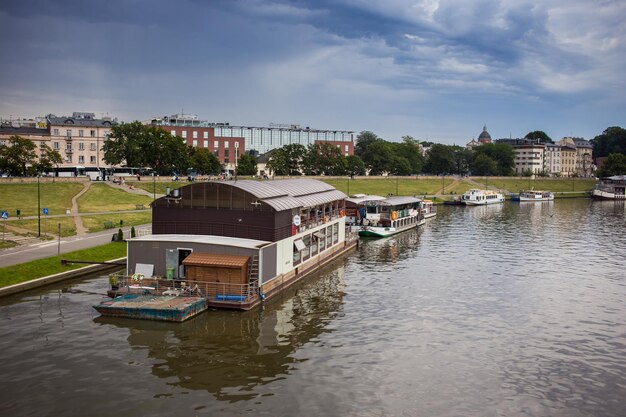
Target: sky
(436, 70)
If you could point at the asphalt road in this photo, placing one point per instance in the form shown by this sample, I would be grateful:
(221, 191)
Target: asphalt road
(38, 250)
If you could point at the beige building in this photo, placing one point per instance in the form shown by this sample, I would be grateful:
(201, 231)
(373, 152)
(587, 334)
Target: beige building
(552, 159)
(40, 137)
(79, 138)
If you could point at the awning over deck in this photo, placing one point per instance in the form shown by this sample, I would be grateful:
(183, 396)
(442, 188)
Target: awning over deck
(221, 260)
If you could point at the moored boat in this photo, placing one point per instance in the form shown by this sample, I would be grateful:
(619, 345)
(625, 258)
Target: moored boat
(476, 197)
(610, 188)
(534, 195)
(428, 209)
(388, 216)
(235, 244)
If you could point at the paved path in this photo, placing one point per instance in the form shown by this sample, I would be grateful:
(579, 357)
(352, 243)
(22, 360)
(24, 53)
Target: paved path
(78, 222)
(38, 249)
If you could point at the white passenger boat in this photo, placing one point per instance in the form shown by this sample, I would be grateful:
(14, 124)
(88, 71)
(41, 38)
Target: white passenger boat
(535, 195)
(610, 188)
(385, 217)
(428, 209)
(475, 197)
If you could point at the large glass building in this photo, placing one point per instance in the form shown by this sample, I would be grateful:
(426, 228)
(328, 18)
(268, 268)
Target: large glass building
(264, 139)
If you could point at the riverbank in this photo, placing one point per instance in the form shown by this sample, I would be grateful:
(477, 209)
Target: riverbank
(20, 277)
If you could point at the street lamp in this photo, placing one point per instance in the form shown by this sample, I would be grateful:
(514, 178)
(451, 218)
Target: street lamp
(38, 207)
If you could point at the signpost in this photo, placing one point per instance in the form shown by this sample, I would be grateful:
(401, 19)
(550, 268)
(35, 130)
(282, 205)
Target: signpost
(45, 218)
(5, 216)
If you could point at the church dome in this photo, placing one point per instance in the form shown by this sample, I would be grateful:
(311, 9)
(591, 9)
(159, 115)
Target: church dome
(484, 134)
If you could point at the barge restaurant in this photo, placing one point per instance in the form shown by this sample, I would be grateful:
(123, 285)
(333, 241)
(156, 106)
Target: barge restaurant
(238, 243)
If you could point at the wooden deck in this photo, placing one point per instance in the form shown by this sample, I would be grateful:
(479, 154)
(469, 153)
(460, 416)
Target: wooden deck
(153, 307)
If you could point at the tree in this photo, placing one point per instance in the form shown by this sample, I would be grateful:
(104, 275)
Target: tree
(400, 166)
(324, 159)
(463, 159)
(124, 145)
(539, 135)
(247, 165)
(354, 166)
(410, 150)
(440, 160)
(204, 162)
(615, 164)
(612, 140)
(503, 154)
(48, 159)
(378, 157)
(484, 165)
(286, 160)
(363, 140)
(136, 145)
(17, 156)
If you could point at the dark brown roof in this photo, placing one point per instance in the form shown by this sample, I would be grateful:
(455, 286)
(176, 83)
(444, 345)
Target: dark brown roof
(211, 259)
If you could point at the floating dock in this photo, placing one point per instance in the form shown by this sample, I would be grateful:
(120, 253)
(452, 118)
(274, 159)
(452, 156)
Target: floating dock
(153, 307)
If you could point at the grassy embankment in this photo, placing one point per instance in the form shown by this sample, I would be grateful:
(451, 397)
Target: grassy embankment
(57, 197)
(48, 266)
(100, 197)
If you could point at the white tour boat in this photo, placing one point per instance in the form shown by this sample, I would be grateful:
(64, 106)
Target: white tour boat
(475, 197)
(428, 209)
(610, 188)
(534, 195)
(385, 217)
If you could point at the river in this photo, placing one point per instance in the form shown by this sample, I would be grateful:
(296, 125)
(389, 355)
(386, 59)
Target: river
(506, 310)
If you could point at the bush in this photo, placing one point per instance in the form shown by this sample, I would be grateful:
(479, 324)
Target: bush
(132, 232)
(120, 235)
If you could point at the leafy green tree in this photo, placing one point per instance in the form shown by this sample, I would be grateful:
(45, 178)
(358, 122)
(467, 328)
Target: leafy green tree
(615, 164)
(204, 162)
(354, 165)
(124, 145)
(503, 155)
(612, 140)
(484, 165)
(287, 160)
(378, 157)
(136, 145)
(410, 150)
(440, 160)
(463, 159)
(324, 159)
(363, 140)
(18, 156)
(539, 135)
(247, 165)
(400, 166)
(48, 159)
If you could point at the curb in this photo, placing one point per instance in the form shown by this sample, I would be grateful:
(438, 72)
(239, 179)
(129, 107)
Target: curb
(61, 276)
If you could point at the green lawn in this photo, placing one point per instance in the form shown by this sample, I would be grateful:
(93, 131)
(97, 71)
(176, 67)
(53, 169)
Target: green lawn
(43, 267)
(101, 197)
(514, 185)
(57, 197)
(7, 244)
(49, 226)
(97, 223)
(160, 186)
(393, 185)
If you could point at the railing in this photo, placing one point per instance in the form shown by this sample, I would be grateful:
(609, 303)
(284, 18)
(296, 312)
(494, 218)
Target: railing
(213, 291)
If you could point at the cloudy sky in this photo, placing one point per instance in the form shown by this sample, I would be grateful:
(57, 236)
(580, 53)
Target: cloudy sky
(433, 69)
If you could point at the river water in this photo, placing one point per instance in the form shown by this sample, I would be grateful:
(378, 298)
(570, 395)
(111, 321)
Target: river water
(507, 310)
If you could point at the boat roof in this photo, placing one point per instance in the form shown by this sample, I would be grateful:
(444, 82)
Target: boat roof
(205, 239)
(616, 178)
(360, 198)
(392, 201)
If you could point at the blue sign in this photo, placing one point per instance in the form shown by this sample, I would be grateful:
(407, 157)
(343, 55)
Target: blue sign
(45, 210)
(5, 215)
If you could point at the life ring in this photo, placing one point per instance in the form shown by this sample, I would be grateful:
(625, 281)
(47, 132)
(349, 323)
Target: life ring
(394, 215)
(325, 219)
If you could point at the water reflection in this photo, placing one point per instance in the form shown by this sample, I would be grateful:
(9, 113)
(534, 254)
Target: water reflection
(230, 353)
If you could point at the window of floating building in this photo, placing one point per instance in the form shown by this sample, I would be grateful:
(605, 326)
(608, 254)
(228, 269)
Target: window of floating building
(329, 236)
(336, 233)
(307, 250)
(298, 247)
(322, 239)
